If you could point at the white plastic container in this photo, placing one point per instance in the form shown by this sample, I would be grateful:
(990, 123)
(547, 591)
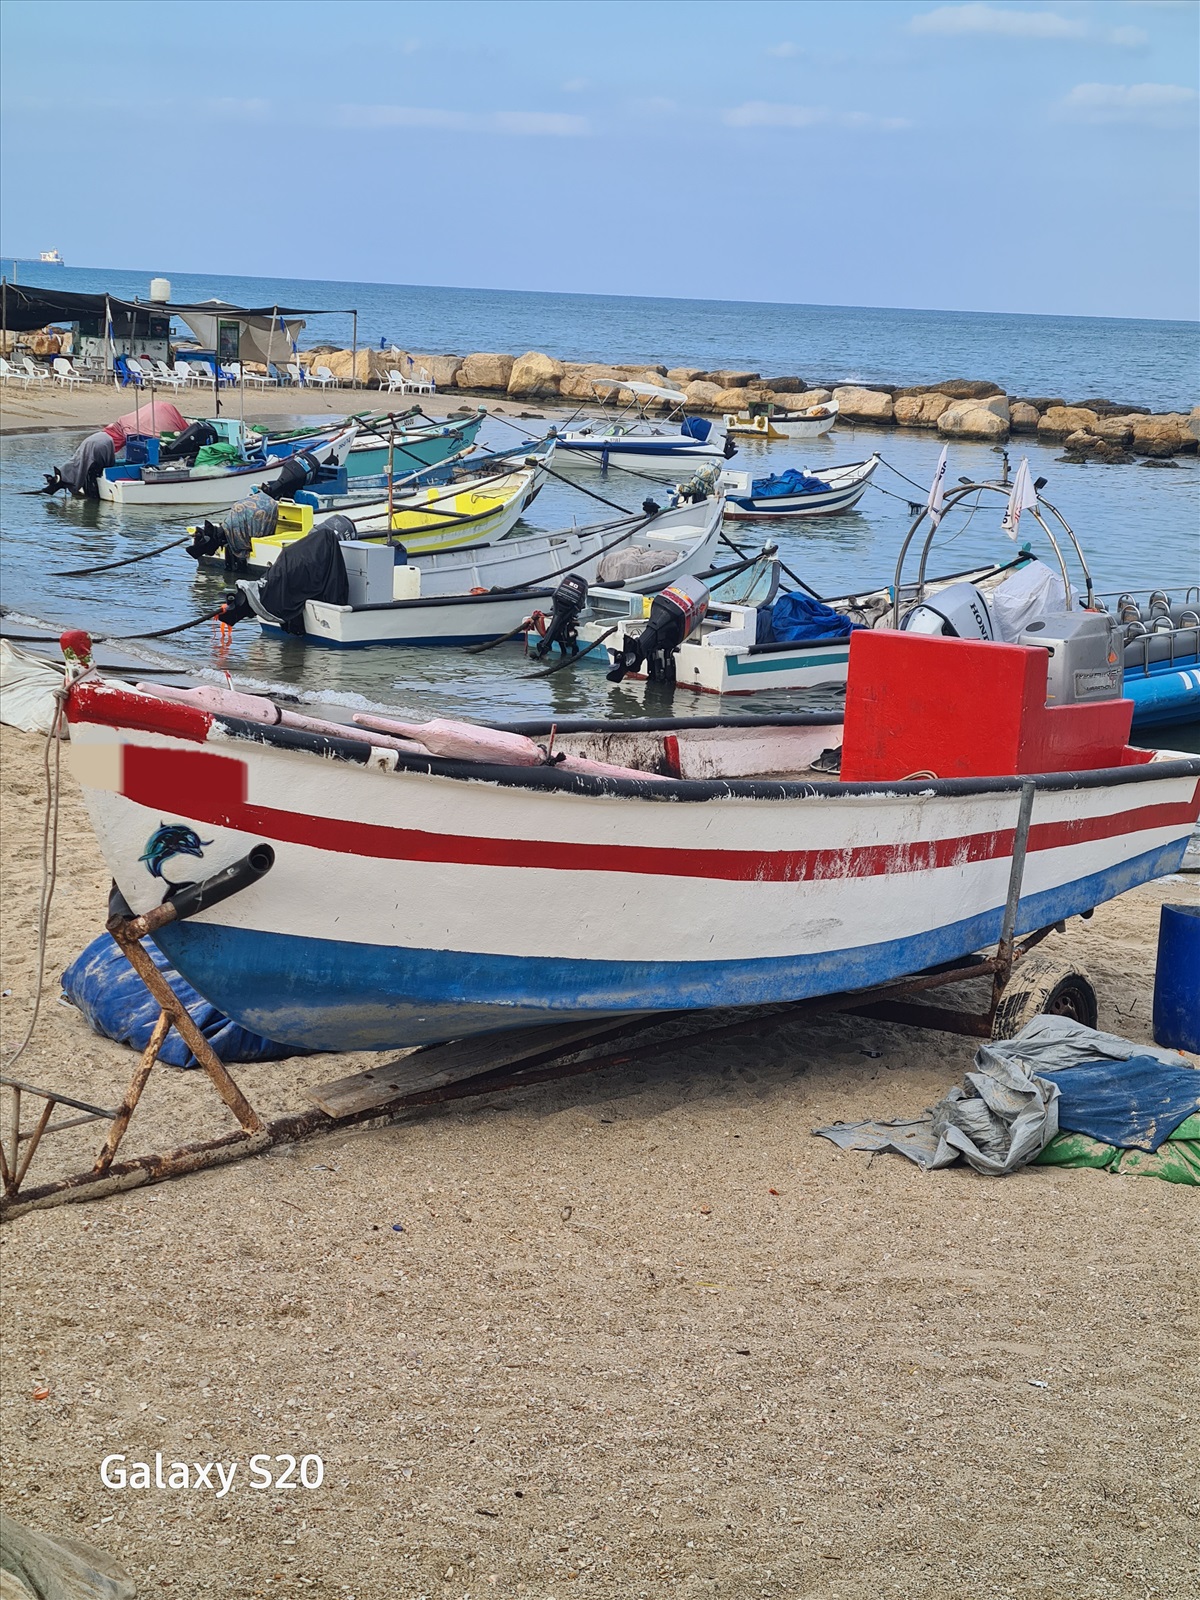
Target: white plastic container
(160, 289)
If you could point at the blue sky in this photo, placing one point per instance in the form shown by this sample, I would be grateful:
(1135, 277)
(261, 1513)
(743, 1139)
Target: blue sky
(1035, 157)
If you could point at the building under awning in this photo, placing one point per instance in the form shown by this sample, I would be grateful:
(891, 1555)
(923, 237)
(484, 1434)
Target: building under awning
(250, 333)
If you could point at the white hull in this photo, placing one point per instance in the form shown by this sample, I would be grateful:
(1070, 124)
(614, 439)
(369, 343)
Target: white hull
(847, 485)
(205, 491)
(413, 899)
(448, 614)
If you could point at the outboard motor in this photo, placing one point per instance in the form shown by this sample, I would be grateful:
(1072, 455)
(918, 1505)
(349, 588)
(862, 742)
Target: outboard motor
(297, 473)
(1087, 656)
(189, 443)
(674, 614)
(569, 600)
(959, 612)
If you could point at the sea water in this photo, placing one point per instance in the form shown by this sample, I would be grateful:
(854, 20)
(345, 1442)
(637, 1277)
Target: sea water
(1137, 524)
(1131, 360)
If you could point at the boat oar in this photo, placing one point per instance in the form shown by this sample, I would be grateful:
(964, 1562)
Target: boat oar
(146, 555)
(478, 649)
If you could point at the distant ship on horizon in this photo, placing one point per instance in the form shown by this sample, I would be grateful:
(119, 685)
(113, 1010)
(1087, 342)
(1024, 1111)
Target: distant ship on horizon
(51, 258)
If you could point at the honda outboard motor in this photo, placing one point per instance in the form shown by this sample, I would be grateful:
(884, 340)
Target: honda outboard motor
(1087, 657)
(189, 443)
(674, 614)
(569, 600)
(959, 612)
(298, 472)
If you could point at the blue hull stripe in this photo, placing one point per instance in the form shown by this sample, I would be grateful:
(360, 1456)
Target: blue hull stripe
(328, 995)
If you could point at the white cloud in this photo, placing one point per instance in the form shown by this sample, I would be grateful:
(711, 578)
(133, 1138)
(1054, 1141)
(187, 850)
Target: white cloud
(540, 124)
(787, 48)
(763, 114)
(534, 124)
(1157, 105)
(1007, 23)
(979, 21)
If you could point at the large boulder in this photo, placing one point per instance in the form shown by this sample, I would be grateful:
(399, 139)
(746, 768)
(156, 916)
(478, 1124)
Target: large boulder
(1057, 422)
(1162, 436)
(729, 379)
(801, 402)
(1111, 408)
(1023, 416)
(919, 410)
(975, 419)
(442, 369)
(535, 376)
(786, 385)
(684, 375)
(361, 366)
(1041, 403)
(484, 370)
(701, 394)
(863, 405)
(740, 399)
(956, 388)
(1117, 430)
(580, 381)
(1193, 422)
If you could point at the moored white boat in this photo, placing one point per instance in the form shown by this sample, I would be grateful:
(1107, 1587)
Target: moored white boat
(796, 494)
(204, 488)
(674, 444)
(402, 896)
(435, 600)
(810, 422)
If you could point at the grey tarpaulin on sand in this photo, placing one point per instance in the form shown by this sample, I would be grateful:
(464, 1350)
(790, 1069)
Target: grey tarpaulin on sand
(1005, 1114)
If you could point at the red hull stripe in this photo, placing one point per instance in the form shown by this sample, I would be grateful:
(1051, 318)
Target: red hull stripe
(211, 789)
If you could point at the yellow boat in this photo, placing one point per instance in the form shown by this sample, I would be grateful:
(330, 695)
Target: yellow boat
(426, 519)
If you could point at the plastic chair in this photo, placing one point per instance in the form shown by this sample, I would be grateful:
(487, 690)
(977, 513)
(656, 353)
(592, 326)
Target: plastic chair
(38, 374)
(134, 368)
(7, 372)
(64, 372)
(322, 376)
(164, 374)
(295, 373)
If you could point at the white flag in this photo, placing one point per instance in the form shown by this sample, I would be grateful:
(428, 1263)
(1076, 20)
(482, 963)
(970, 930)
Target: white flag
(1023, 497)
(934, 504)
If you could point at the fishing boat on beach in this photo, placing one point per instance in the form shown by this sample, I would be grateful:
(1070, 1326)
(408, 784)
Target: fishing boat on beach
(774, 422)
(393, 883)
(797, 493)
(631, 437)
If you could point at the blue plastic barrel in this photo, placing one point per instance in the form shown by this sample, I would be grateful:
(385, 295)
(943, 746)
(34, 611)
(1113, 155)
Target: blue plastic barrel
(1177, 979)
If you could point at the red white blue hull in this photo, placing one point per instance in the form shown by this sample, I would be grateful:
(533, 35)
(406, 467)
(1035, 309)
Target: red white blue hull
(416, 899)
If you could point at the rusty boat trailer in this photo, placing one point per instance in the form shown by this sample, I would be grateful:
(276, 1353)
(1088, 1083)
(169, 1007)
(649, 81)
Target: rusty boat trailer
(434, 1074)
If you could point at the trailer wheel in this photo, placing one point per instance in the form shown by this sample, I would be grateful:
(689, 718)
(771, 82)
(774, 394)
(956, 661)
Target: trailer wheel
(1041, 985)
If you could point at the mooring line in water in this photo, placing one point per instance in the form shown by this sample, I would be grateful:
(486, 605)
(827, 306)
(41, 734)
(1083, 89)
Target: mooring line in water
(570, 661)
(146, 555)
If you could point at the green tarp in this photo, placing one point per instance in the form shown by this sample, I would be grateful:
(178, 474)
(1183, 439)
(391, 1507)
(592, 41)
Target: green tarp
(1175, 1161)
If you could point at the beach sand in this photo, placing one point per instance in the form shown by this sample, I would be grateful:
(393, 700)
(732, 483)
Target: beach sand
(34, 409)
(641, 1335)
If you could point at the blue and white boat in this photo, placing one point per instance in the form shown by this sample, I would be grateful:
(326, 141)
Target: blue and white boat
(418, 442)
(796, 492)
(142, 479)
(674, 444)
(1162, 654)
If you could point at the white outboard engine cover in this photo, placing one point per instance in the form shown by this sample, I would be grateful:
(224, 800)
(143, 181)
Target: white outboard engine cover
(1087, 657)
(959, 612)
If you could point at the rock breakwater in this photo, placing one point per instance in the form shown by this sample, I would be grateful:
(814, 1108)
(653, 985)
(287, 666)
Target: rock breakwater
(957, 408)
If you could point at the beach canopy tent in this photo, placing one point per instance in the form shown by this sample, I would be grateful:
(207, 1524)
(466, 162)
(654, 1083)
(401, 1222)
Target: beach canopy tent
(265, 332)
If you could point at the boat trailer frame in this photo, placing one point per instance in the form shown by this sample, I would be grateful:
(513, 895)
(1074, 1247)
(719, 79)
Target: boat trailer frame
(443, 1072)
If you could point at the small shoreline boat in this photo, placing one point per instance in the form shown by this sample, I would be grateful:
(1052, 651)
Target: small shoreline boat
(465, 597)
(631, 437)
(773, 422)
(142, 480)
(396, 884)
(419, 441)
(797, 493)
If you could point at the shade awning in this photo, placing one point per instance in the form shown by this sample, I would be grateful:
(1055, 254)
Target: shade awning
(26, 309)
